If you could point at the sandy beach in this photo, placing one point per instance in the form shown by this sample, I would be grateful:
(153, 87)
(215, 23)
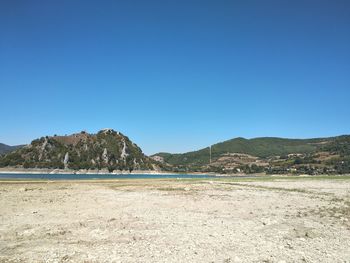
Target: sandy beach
(274, 220)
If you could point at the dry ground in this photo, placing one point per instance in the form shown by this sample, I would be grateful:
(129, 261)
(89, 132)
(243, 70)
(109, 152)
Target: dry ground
(299, 220)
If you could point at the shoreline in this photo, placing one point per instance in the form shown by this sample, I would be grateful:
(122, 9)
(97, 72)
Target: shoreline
(13, 170)
(33, 171)
(8, 170)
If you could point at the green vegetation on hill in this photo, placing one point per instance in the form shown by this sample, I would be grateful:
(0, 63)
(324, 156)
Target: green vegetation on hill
(267, 154)
(339, 145)
(112, 150)
(107, 149)
(7, 148)
(266, 146)
(259, 147)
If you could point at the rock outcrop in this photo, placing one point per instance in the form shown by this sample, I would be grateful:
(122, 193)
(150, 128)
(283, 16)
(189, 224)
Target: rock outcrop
(108, 149)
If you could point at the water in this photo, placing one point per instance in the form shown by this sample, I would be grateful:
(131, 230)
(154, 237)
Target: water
(100, 176)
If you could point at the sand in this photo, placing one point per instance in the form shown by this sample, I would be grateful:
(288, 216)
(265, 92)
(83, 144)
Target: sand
(298, 220)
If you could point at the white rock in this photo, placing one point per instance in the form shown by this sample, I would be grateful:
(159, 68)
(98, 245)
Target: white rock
(65, 161)
(124, 154)
(105, 156)
(42, 149)
(237, 259)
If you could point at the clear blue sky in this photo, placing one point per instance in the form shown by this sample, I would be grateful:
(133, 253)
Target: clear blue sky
(175, 75)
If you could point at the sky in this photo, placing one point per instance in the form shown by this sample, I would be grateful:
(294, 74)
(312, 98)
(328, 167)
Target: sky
(174, 76)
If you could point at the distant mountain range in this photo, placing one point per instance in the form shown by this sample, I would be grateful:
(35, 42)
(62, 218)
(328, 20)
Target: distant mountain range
(267, 154)
(109, 149)
(7, 148)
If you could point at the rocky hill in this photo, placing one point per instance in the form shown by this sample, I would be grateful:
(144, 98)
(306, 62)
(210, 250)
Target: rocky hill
(270, 155)
(107, 149)
(113, 151)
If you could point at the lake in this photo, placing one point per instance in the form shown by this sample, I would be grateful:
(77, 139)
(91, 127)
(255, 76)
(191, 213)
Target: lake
(100, 176)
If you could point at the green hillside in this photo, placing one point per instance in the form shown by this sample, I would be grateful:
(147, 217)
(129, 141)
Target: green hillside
(259, 147)
(7, 148)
